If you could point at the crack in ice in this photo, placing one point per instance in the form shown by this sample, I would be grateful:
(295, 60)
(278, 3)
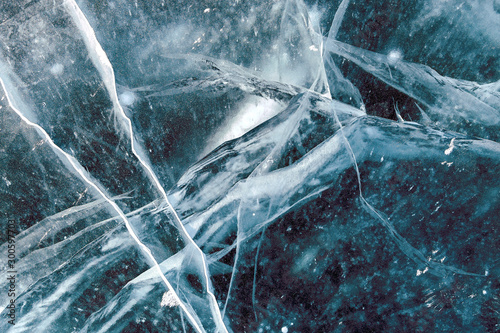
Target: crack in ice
(402, 243)
(102, 64)
(75, 165)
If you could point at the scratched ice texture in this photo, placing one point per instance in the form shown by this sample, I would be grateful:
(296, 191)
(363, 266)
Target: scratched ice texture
(251, 166)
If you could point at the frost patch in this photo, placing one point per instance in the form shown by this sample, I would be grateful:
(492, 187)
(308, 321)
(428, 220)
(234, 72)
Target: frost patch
(169, 299)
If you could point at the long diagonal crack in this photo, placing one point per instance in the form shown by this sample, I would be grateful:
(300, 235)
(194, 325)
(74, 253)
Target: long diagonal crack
(103, 65)
(83, 174)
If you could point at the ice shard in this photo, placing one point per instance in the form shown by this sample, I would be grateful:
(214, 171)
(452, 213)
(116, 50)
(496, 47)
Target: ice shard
(249, 166)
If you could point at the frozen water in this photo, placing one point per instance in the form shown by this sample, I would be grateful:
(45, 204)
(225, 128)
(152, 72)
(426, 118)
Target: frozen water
(250, 166)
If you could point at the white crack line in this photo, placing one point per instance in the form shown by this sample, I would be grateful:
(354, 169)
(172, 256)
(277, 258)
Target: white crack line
(90, 40)
(82, 173)
(102, 64)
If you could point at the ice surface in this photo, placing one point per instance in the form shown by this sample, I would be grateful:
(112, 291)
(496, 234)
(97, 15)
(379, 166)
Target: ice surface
(454, 104)
(250, 166)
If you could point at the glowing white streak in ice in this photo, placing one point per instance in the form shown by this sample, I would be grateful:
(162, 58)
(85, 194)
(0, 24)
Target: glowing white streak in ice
(102, 64)
(82, 173)
(451, 147)
(337, 19)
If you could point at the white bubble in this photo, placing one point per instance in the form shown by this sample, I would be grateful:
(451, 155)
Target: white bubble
(127, 98)
(284, 329)
(394, 57)
(313, 48)
(57, 69)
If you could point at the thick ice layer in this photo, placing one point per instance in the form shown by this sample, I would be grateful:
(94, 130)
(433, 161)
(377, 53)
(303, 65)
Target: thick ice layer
(79, 115)
(179, 119)
(300, 238)
(290, 208)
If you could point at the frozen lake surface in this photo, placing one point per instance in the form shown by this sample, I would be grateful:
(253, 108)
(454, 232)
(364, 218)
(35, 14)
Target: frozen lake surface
(250, 166)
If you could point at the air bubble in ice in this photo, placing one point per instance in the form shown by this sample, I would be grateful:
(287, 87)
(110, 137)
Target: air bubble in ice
(57, 69)
(127, 98)
(394, 57)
